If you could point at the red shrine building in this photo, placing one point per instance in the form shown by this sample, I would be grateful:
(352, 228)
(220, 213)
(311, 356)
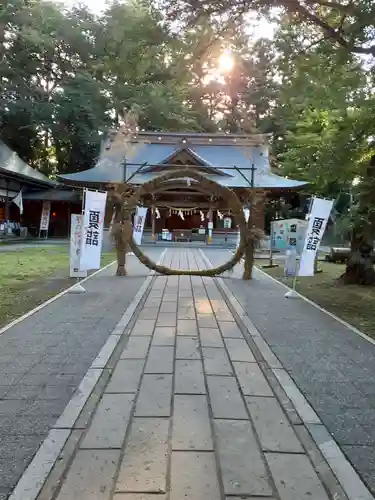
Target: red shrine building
(237, 161)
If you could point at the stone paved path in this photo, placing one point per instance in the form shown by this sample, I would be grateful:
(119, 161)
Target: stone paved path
(333, 366)
(44, 357)
(190, 411)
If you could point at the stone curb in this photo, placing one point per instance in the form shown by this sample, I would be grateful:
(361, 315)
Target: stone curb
(352, 485)
(34, 477)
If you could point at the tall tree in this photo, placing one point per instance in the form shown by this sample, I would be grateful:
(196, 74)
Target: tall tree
(347, 23)
(325, 117)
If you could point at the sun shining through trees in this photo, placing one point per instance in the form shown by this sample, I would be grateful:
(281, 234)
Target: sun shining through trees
(226, 62)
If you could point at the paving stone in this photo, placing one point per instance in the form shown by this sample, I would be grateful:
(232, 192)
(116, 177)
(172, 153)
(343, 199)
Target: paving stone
(295, 477)
(164, 335)
(185, 293)
(203, 306)
(206, 321)
(170, 297)
(143, 327)
(223, 316)
(220, 305)
(191, 424)
(232, 497)
(210, 337)
(155, 395)
(136, 348)
(239, 350)
(252, 380)
(144, 465)
(149, 313)
(225, 397)
(272, 426)
(166, 319)
(186, 313)
(241, 464)
(194, 476)
(139, 496)
(216, 361)
(91, 475)
(187, 327)
(266, 352)
(187, 348)
(189, 377)
(126, 376)
(230, 330)
(110, 422)
(153, 302)
(168, 307)
(160, 360)
(185, 302)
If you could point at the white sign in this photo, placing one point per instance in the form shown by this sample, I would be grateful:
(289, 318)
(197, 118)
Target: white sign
(227, 222)
(318, 219)
(92, 231)
(246, 212)
(45, 216)
(139, 224)
(75, 246)
(290, 265)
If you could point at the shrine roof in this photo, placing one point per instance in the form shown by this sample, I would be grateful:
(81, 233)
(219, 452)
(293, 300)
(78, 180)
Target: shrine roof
(12, 165)
(222, 154)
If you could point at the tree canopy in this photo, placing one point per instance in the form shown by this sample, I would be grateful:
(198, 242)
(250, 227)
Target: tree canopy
(67, 75)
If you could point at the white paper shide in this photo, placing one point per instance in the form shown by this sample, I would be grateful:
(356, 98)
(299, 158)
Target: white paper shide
(318, 219)
(139, 224)
(92, 231)
(75, 246)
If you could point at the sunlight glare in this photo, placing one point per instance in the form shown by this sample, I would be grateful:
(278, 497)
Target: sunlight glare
(226, 61)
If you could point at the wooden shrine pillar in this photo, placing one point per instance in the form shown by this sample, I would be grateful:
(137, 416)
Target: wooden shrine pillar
(210, 225)
(153, 222)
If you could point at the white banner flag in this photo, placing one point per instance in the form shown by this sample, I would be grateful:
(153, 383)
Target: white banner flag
(19, 202)
(75, 246)
(139, 224)
(92, 231)
(318, 219)
(45, 216)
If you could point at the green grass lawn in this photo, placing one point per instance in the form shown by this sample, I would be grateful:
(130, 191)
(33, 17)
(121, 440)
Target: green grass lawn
(354, 304)
(30, 276)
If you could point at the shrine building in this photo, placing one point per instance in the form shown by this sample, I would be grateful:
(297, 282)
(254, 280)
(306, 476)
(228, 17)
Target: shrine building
(182, 207)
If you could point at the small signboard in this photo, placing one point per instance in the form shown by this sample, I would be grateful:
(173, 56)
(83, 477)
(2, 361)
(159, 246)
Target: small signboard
(75, 247)
(45, 217)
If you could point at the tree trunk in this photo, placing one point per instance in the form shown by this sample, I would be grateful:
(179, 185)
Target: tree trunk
(360, 269)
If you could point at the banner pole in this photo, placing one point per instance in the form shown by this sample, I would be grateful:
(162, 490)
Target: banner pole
(78, 288)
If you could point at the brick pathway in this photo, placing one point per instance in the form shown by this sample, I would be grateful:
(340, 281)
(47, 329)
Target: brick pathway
(333, 366)
(190, 412)
(44, 357)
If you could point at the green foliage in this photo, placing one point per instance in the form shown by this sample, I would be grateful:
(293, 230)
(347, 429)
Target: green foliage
(67, 76)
